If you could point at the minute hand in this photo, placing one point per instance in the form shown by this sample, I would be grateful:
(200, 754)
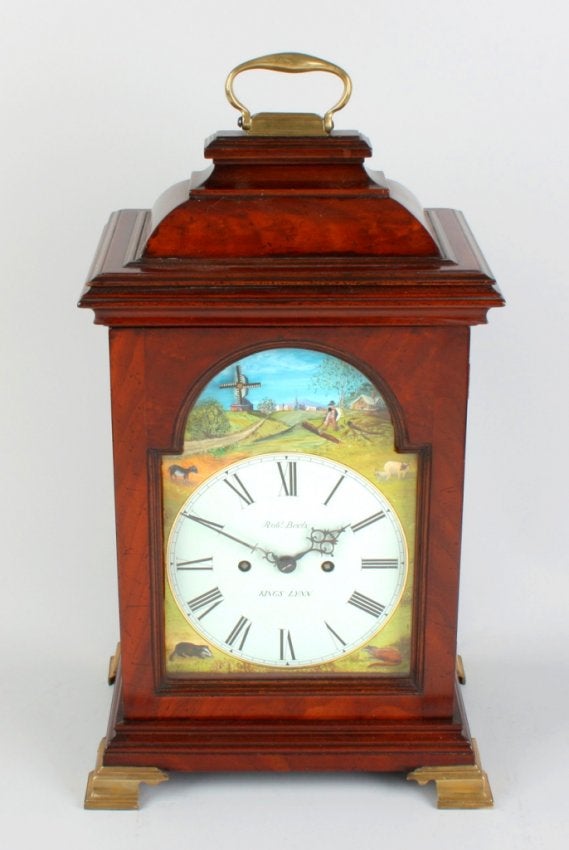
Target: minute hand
(219, 529)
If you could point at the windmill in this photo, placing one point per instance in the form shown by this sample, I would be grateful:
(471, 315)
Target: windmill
(240, 386)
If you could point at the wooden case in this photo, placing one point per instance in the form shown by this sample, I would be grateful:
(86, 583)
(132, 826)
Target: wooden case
(288, 242)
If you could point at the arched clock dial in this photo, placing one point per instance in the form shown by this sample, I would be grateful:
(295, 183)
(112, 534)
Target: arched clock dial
(287, 560)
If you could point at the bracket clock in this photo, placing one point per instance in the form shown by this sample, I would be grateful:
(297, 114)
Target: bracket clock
(289, 338)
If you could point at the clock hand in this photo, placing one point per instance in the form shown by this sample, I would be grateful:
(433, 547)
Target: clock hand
(219, 529)
(286, 563)
(325, 540)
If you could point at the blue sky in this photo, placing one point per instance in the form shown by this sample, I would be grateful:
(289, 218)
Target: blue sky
(285, 374)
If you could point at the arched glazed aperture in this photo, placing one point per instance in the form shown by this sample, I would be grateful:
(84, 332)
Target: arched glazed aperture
(289, 524)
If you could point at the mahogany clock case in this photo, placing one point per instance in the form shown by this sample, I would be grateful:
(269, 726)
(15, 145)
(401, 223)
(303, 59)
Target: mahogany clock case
(395, 298)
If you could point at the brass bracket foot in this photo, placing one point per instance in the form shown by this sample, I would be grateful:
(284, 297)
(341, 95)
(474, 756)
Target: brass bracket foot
(118, 787)
(458, 786)
(460, 674)
(114, 665)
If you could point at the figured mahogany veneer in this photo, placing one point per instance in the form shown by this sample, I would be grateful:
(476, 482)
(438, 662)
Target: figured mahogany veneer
(244, 207)
(288, 242)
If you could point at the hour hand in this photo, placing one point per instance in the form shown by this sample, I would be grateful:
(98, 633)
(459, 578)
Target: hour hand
(324, 540)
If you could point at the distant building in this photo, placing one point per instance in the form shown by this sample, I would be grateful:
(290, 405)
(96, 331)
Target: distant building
(244, 406)
(366, 402)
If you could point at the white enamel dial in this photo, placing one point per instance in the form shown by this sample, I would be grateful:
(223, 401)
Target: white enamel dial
(287, 560)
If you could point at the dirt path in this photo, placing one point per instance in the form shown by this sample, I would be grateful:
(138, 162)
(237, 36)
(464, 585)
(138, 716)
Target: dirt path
(197, 446)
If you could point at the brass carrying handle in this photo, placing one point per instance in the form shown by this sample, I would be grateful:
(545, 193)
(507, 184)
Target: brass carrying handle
(289, 63)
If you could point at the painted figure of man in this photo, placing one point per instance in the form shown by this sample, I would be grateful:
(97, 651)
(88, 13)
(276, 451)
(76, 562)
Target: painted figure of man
(332, 416)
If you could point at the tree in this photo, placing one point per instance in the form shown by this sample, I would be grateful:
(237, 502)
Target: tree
(207, 419)
(338, 378)
(267, 406)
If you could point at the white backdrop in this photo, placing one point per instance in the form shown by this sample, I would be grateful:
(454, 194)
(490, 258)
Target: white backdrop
(104, 105)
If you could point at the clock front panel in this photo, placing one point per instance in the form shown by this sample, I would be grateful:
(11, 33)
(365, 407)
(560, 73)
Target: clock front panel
(289, 525)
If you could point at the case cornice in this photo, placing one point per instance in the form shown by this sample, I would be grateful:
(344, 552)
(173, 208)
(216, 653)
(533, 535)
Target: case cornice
(455, 288)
